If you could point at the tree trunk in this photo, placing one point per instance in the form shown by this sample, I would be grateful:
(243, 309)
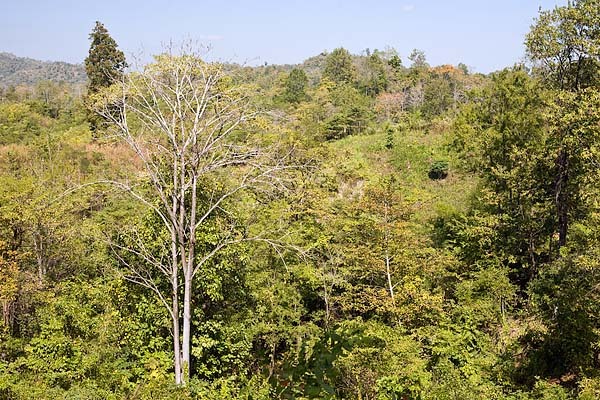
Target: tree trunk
(38, 245)
(389, 275)
(561, 197)
(175, 309)
(188, 271)
(176, 339)
(326, 299)
(388, 267)
(187, 325)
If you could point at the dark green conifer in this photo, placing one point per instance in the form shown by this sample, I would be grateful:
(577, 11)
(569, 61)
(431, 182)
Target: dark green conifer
(104, 65)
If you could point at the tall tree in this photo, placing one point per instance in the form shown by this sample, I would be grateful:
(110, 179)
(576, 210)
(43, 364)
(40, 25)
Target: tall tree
(295, 86)
(339, 67)
(395, 62)
(418, 59)
(564, 44)
(104, 65)
(183, 119)
(502, 130)
(376, 79)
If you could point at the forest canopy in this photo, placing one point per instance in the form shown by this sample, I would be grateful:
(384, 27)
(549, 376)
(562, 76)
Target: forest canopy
(357, 226)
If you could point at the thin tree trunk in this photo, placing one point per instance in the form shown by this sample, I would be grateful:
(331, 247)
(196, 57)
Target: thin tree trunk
(326, 299)
(187, 325)
(388, 270)
(176, 340)
(6, 305)
(389, 274)
(561, 197)
(39, 249)
(179, 379)
(188, 270)
(272, 361)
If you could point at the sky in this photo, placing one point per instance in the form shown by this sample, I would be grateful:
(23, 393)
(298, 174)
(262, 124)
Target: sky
(484, 35)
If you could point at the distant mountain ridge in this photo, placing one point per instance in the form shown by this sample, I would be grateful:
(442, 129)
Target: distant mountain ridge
(27, 71)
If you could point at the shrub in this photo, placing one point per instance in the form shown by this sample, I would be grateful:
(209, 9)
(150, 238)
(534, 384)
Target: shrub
(438, 170)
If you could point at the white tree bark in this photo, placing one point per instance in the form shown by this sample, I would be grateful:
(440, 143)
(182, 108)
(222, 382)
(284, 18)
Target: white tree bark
(179, 116)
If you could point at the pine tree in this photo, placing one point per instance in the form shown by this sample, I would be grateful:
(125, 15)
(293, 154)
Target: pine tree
(104, 65)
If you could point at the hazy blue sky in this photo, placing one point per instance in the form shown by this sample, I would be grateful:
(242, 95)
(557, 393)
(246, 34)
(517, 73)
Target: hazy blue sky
(485, 35)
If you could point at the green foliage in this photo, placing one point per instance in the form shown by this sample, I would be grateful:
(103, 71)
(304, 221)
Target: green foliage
(389, 137)
(590, 389)
(391, 279)
(566, 43)
(504, 135)
(339, 67)
(443, 90)
(19, 122)
(418, 59)
(77, 348)
(295, 86)
(351, 113)
(377, 80)
(382, 363)
(104, 65)
(565, 298)
(395, 62)
(438, 170)
(15, 71)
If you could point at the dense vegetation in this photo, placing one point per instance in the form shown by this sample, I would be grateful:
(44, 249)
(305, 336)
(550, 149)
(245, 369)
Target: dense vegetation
(15, 71)
(350, 227)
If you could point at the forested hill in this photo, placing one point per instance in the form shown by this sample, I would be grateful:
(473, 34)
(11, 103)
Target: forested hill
(25, 71)
(358, 226)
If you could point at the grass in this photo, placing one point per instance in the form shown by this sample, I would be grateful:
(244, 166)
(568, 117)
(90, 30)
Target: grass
(364, 159)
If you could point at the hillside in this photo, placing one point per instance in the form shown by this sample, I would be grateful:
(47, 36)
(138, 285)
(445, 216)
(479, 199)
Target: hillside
(355, 226)
(26, 71)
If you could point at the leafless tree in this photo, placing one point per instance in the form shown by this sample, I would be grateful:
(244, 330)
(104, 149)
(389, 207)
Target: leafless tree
(184, 120)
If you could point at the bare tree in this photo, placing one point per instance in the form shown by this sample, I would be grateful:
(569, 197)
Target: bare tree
(183, 118)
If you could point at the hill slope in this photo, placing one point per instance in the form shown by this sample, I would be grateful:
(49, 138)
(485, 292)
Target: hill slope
(20, 70)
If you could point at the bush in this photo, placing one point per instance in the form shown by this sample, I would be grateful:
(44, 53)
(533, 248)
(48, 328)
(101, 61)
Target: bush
(438, 170)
